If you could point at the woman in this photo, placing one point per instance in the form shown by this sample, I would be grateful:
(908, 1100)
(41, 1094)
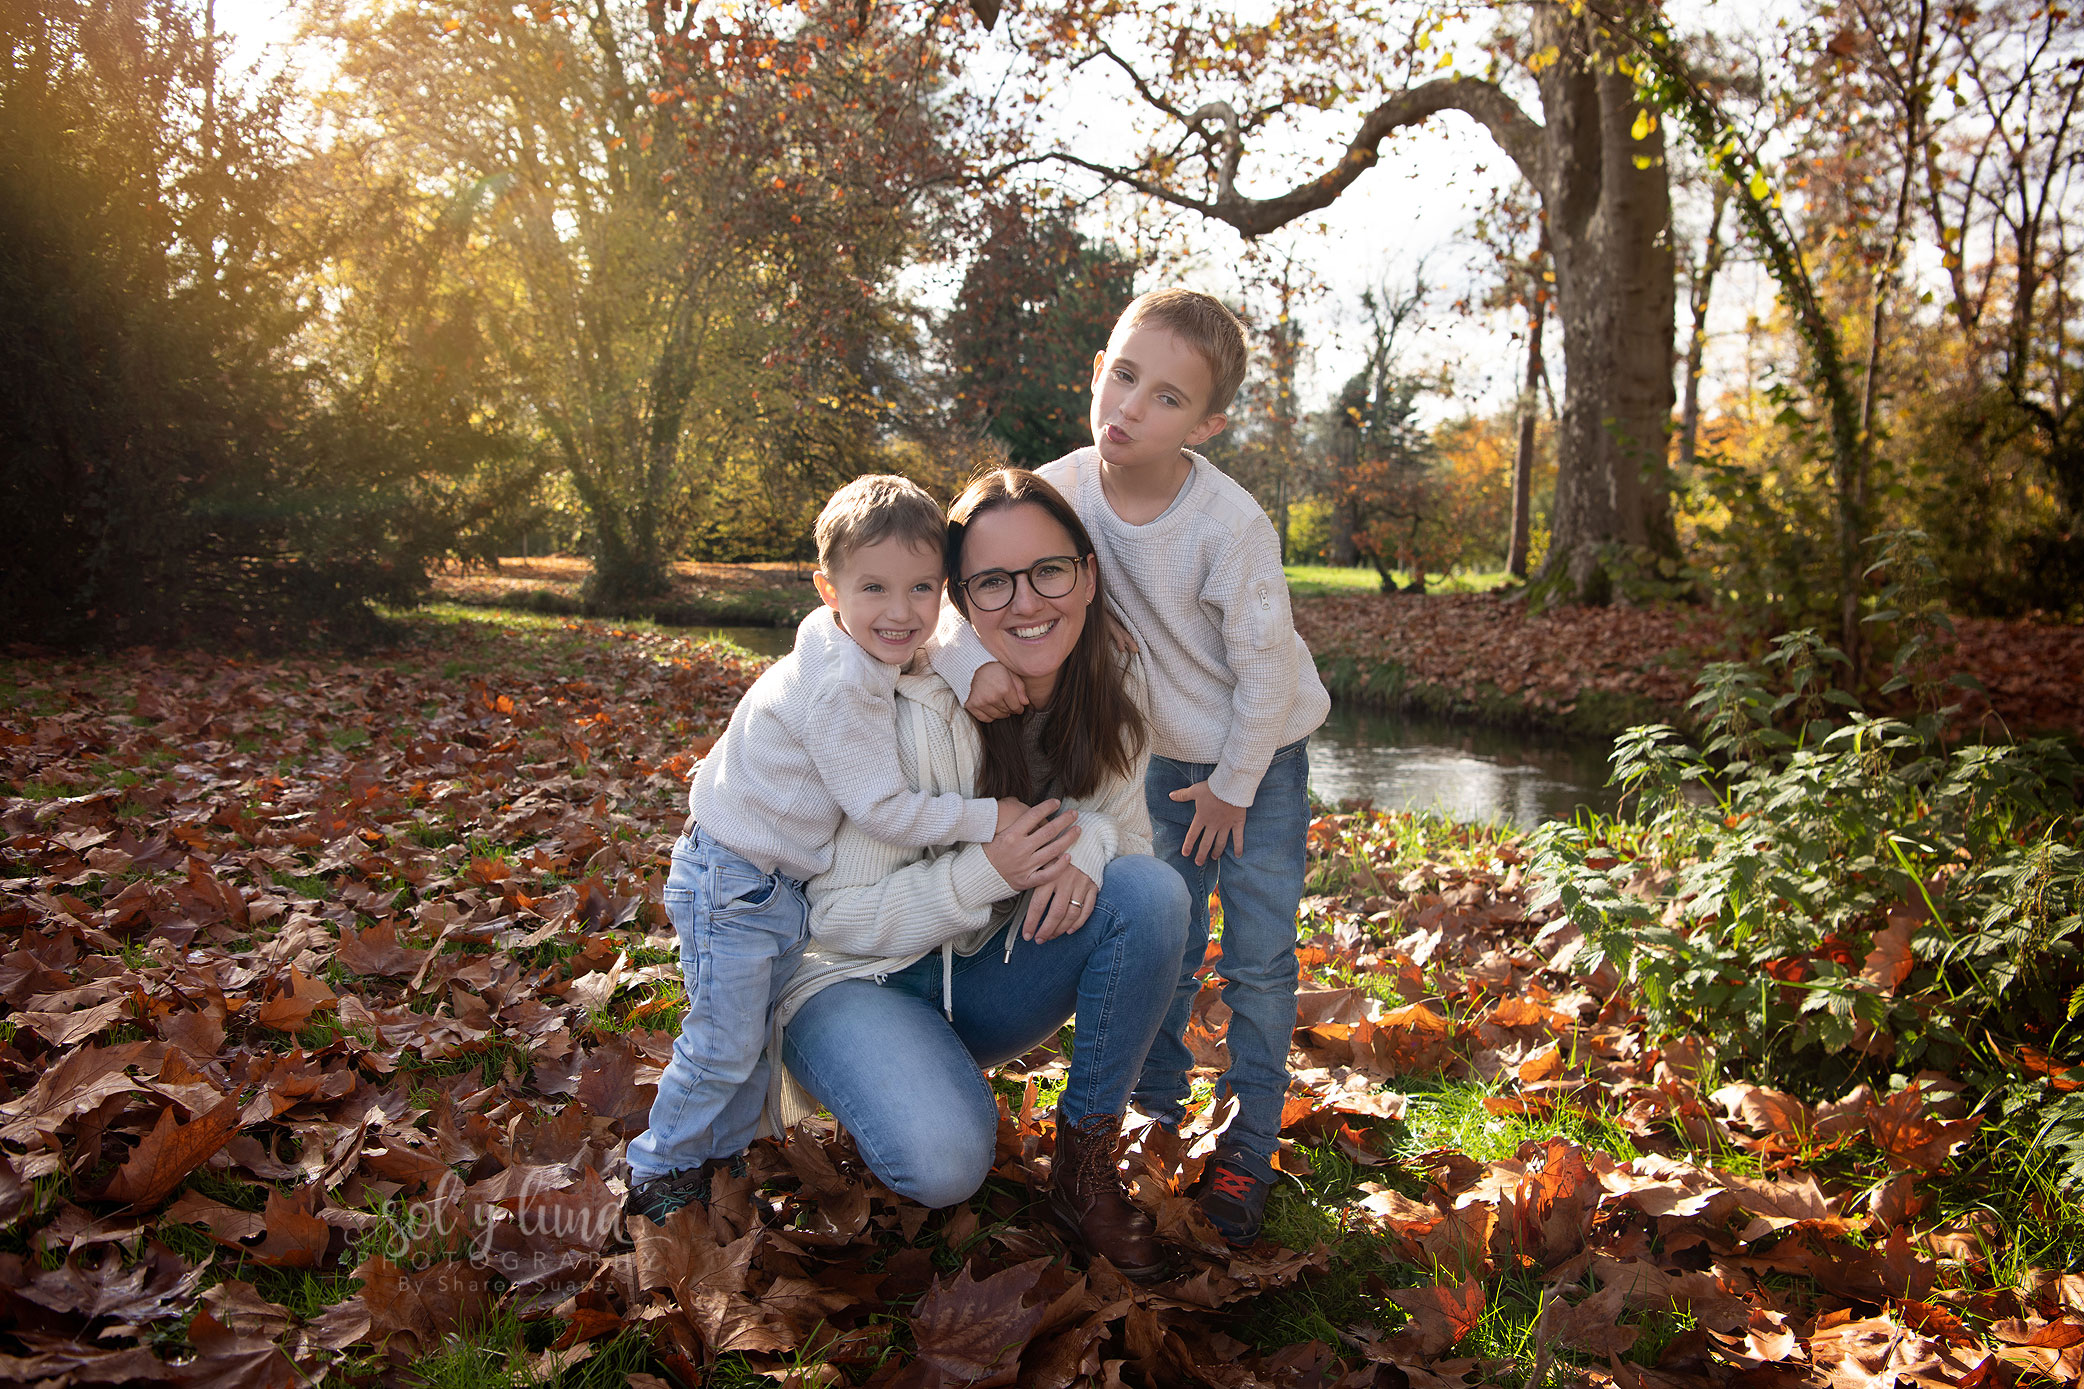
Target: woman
(926, 966)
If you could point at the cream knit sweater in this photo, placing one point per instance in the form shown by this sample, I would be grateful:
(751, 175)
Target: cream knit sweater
(810, 742)
(880, 907)
(1201, 590)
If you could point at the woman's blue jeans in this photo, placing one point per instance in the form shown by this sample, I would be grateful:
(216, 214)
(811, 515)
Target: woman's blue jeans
(906, 1081)
(1260, 891)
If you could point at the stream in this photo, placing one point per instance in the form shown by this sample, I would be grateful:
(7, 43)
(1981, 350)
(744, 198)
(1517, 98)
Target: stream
(1463, 771)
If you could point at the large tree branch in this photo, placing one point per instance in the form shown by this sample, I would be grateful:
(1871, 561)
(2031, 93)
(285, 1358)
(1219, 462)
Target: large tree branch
(1515, 133)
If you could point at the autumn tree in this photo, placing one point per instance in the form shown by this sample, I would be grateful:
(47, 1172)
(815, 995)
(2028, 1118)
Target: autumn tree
(1264, 447)
(1379, 462)
(674, 235)
(1038, 300)
(1559, 98)
(178, 460)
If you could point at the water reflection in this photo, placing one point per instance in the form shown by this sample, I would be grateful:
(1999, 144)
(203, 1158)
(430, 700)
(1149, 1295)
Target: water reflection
(1460, 770)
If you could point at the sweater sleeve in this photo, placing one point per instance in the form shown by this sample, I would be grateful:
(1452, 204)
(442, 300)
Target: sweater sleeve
(848, 738)
(1114, 822)
(956, 654)
(1260, 648)
(879, 904)
(880, 900)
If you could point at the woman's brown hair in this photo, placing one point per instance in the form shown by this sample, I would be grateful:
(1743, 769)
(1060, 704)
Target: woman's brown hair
(1095, 728)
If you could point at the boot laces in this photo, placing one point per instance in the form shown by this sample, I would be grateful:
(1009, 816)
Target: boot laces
(1096, 1165)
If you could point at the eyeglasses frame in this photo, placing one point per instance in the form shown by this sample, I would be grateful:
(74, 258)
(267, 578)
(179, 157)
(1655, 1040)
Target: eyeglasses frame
(1017, 575)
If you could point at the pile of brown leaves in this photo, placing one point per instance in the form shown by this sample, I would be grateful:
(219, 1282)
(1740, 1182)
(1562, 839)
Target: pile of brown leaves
(275, 1007)
(1467, 645)
(1472, 647)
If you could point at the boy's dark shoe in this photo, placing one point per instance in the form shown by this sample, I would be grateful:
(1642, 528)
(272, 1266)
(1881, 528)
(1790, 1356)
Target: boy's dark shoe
(1233, 1200)
(661, 1196)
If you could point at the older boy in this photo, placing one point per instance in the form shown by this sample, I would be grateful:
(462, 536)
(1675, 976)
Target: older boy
(808, 743)
(1194, 574)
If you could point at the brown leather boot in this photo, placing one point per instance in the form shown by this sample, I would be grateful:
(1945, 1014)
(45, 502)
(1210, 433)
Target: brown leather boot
(1085, 1193)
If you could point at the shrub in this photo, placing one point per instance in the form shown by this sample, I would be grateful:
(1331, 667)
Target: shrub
(1827, 899)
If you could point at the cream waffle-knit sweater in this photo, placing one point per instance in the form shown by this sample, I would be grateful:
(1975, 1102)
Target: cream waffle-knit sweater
(880, 907)
(810, 742)
(1201, 590)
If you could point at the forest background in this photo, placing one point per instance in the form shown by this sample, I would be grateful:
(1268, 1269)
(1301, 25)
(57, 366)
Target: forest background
(644, 283)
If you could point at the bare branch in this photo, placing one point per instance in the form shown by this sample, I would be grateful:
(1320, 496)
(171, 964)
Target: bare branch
(1515, 133)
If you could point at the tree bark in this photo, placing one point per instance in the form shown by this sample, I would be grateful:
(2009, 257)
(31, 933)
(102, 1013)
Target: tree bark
(1523, 455)
(1608, 215)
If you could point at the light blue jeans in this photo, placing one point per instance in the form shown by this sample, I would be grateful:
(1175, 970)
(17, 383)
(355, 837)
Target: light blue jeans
(906, 1081)
(741, 933)
(1260, 891)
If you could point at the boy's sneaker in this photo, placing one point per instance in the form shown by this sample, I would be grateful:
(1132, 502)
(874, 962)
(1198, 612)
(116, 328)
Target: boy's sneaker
(661, 1196)
(1233, 1200)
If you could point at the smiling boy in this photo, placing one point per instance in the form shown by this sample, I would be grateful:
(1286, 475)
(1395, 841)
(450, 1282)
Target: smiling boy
(808, 743)
(1193, 570)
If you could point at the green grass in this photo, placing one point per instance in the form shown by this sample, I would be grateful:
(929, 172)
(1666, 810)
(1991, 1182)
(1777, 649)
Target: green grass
(1300, 1214)
(1321, 580)
(1317, 580)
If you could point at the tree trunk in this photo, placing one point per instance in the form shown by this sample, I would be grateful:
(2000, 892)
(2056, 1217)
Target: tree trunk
(1609, 226)
(1702, 290)
(1523, 456)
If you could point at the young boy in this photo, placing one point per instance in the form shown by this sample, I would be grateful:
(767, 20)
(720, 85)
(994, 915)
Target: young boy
(1194, 571)
(811, 741)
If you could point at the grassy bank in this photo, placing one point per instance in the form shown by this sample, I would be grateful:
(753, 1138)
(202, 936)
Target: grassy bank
(702, 595)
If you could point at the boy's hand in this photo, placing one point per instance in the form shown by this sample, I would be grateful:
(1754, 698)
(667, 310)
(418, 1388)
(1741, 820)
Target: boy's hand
(1009, 811)
(995, 694)
(1118, 633)
(1217, 824)
(1059, 906)
(1031, 849)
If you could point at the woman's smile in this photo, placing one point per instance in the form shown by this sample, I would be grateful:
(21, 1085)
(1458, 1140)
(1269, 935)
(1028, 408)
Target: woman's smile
(1034, 634)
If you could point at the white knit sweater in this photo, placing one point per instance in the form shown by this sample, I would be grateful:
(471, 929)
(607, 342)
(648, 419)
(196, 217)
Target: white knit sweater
(1201, 590)
(880, 908)
(810, 742)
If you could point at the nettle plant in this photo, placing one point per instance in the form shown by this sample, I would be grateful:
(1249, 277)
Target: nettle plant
(1826, 895)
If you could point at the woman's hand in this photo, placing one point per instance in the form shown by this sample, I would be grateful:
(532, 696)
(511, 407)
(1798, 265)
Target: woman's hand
(1059, 906)
(1034, 846)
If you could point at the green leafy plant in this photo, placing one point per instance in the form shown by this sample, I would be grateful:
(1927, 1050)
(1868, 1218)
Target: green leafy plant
(1827, 895)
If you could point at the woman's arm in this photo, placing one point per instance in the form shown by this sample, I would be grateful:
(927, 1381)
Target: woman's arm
(1115, 821)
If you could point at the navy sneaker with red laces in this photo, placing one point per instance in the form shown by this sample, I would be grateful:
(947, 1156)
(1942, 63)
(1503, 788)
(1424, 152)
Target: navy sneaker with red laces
(1234, 1200)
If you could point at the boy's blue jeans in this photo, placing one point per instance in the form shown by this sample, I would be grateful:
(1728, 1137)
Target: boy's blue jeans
(741, 933)
(905, 1080)
(1260, 891)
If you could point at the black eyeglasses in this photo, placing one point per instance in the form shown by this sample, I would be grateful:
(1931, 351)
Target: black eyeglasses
(1053, 577)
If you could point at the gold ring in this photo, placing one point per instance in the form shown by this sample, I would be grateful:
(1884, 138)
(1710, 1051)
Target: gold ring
(1076, 903)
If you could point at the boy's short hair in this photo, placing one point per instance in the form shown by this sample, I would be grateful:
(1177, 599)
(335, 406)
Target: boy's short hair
(872, 509)
(1203, 324)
